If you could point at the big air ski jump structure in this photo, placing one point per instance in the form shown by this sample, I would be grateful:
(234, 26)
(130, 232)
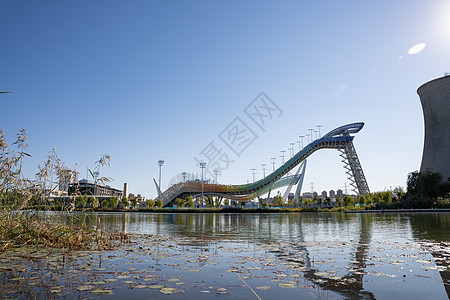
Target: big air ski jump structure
(340, 138)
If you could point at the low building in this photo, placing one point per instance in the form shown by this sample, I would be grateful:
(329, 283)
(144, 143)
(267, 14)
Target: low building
(91, 189)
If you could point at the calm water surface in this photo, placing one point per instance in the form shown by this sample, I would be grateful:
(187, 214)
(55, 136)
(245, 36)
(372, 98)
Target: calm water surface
(389, 255)
(245, 256)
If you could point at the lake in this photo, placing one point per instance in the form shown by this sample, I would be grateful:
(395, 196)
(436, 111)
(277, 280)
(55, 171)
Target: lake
(247, 256)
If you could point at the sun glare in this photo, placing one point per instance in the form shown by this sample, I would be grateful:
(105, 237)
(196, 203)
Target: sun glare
(416, 48)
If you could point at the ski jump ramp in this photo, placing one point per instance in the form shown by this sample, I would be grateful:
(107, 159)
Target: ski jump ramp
(340, 138)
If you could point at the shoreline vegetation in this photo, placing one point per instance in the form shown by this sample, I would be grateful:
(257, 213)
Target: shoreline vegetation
(21, 224)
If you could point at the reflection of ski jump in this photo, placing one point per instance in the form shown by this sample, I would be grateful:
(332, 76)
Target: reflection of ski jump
(338, 138)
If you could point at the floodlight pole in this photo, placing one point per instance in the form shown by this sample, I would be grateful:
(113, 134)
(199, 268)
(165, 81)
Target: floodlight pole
(273, 164)
(282, 156)
(253, 173)
(160, 164)
(319, 126)
(216, 172)
(301, 139)
(264, 170)
(202, 166)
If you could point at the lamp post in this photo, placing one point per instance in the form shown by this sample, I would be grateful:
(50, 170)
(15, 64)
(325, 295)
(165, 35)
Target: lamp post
(311, 133)
(160, 164)
(264, 170)
(184, 176)
(273, 164)
(253, 173)
(319, 126)
(202, 166)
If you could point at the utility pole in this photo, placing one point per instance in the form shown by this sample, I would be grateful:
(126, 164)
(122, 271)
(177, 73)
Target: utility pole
(264, 170)
(253, 173)
(312, 188)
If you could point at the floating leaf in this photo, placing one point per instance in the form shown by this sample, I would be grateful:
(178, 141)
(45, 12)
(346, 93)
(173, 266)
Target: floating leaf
(157, 286)
(168, 291)
(263, 288)
(85, 288)
(105, 291)
(287, 285)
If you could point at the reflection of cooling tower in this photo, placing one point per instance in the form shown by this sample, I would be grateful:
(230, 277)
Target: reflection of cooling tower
(435, 98)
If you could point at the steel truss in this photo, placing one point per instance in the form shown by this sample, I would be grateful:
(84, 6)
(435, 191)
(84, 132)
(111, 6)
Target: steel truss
(353, 169)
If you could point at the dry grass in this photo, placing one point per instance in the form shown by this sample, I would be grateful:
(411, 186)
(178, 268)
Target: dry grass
(21, 224)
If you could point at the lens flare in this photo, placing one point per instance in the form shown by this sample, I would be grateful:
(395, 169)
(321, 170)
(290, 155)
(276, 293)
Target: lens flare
(416, 48)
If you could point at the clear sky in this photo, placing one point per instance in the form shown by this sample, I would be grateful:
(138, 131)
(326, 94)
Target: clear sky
(149, 80)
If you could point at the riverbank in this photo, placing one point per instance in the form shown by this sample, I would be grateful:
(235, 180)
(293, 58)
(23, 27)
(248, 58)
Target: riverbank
(269, 210)
(386, 211)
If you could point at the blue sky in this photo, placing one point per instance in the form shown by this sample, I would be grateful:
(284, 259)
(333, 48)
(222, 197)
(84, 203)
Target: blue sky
(149, 80)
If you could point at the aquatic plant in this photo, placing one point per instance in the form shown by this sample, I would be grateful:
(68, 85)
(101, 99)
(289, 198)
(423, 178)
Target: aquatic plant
(21, 223)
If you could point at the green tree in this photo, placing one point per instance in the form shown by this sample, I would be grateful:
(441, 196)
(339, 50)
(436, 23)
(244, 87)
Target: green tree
(327, 201)
(318, 201)
(134, 202)
(361, 200)
(386, 197)
(399, 192)
(349, 201)
(369, 198)
(308, 202)
(114, 201)
(338, 201)
(300, 200)
(105, 203)
(159, 203)
(179, 202)
(278, 201)
(291, 202)
(125, 203)
(150, 203)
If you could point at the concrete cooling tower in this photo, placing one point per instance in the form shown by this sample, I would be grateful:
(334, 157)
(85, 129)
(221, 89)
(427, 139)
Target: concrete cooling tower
(435, 98)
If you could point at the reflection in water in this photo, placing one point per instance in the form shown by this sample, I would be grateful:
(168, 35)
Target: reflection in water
(435, 228)
(334, 251)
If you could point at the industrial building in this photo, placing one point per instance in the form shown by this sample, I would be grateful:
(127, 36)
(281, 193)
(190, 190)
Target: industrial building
(435, 98)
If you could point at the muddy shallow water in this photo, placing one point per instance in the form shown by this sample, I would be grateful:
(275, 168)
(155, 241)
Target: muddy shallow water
(245, 256)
